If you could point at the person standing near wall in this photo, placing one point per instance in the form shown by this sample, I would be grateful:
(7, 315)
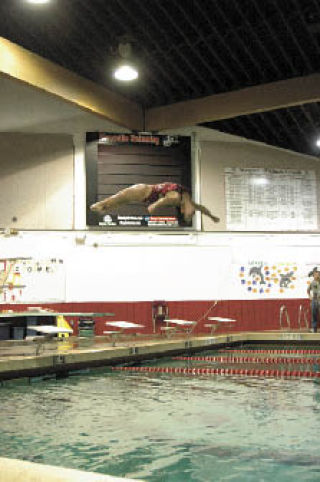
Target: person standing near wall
(313, 291)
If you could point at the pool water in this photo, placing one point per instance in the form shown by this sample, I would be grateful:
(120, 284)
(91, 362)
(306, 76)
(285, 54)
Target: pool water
(166, 427)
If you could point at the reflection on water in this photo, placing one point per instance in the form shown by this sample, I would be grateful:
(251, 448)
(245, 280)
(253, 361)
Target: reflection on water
(166, 427)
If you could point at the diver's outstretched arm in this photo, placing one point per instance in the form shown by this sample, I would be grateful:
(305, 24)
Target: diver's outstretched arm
(206, 212)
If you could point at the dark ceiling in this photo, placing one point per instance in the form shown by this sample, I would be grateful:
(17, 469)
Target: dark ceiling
(186, 49)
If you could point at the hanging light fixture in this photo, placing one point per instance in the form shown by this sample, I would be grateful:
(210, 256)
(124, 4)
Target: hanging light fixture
(125, 70)
(38, 1)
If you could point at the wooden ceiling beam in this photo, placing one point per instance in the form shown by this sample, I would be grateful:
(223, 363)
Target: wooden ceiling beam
(261, 98)
(24, 66)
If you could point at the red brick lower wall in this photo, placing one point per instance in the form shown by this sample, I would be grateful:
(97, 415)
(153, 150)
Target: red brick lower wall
(251, 315)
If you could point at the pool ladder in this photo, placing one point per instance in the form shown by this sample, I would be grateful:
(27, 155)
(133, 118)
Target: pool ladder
(303, 313)
(284, 311)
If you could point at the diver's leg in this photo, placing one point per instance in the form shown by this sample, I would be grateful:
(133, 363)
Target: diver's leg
(317, 317)
(314, 311)
(172, 198)
(135, 193)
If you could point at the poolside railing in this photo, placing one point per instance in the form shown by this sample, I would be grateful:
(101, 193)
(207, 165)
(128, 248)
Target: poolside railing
(303, 313)
(284, 312)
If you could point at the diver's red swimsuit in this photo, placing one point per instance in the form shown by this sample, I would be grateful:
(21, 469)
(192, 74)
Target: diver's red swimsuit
(160, 190)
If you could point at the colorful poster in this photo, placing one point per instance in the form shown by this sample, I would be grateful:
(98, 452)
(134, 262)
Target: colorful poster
(263, 278)
(25, 280)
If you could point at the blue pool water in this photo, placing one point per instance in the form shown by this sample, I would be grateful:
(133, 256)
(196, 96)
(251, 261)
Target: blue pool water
(172, 428)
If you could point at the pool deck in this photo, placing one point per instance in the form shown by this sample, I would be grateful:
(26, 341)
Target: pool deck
(14, 470)
(21, 359)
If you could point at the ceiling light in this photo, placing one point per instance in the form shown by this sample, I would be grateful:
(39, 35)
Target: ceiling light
(126, 73)
(124, 69)
(318, 142)
(38, 1)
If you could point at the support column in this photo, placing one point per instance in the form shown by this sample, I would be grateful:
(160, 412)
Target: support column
(79, 182)
(195, 178)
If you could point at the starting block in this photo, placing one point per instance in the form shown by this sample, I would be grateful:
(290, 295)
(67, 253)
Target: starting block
(168, 330)
(185, 326)
(218, 320)
(122, 325)
(113, 335)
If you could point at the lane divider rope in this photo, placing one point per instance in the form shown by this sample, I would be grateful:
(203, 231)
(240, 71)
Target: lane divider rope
(223, 371)
(274, 352)
(248, 359)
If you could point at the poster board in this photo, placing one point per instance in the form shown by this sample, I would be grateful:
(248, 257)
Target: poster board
(115, 162)
(259, 199)
(27, 280)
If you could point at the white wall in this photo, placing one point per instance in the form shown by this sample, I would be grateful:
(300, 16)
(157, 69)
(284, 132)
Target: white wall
(36, 182)
(200, 266)
(134, 273)
(42, 180)
(37, 186)
(137, 267)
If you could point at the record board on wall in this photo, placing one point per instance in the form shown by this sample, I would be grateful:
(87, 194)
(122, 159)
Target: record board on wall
(260, 199)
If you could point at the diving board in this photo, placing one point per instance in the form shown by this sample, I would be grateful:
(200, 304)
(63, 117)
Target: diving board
(47, 332)
(29, 313)
(50, 329)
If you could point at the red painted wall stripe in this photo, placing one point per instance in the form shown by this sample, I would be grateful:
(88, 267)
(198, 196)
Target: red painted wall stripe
(251, 315)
